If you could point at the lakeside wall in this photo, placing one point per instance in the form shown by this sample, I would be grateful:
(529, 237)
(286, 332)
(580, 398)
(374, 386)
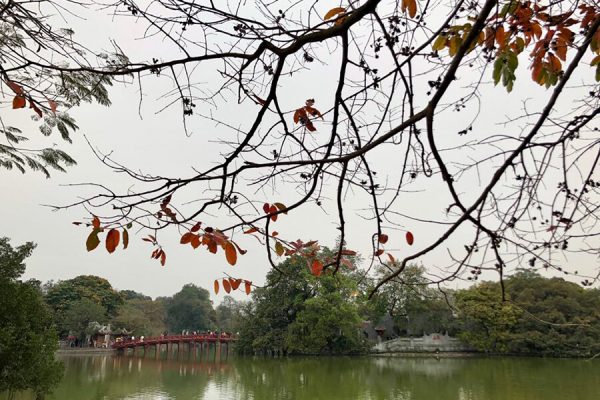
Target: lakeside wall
(431, 343)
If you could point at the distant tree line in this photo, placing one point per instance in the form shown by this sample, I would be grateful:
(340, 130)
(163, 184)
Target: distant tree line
(296, 312)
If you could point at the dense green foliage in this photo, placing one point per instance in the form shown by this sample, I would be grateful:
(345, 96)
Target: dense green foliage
(414, 307)
(142, 316)
(190, 309)
(69, 294)
(542, 316)
(27, 338)
(297, 312)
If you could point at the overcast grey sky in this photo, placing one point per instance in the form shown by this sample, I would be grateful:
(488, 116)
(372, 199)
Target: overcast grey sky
(157, 144)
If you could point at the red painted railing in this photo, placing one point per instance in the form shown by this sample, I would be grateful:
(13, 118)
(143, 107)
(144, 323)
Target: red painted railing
(150, 341)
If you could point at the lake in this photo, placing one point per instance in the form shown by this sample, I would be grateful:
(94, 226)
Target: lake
(106, 377)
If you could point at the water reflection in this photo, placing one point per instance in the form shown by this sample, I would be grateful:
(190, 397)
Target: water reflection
(129, 377)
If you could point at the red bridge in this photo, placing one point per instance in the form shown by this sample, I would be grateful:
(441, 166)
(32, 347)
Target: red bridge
(193, 343)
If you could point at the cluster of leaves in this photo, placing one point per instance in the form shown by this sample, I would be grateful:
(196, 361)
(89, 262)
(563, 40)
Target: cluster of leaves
(230, 284)
(519, 25)
(303, 115)
(113, 237)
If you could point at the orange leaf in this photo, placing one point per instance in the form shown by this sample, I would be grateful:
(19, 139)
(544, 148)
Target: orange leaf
(383, 238)
(411, 6)
(163, 258)
(112, 240)
(226, 285)
(251, 230)
(230, 253)
(500, 36)
(186, 238)
(333, 12)
(410, 238)
(195, 242)
(96, 222)
(125, 238)
(235, 283)
(248, 286)
(391, 257)
(216, 286)
(316, 268)
(18, 102)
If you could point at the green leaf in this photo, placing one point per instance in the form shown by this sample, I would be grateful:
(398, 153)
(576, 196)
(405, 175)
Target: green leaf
(498, 65)
(93, 241)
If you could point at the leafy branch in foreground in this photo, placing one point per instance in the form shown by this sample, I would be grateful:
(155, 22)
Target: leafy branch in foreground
(391, 81)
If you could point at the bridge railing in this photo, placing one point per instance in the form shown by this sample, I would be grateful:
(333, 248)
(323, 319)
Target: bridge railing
(210, 337)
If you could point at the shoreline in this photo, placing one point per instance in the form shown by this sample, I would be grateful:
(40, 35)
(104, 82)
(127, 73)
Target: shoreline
(84, 351)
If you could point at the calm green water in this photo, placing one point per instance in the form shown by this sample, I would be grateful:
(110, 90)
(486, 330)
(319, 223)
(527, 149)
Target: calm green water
(128, 377)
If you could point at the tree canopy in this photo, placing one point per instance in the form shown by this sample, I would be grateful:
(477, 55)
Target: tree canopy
(27, 338)
(310, 99)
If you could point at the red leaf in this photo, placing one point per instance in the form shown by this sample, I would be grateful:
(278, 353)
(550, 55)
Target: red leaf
(52, 105)
(96, 222)
(230, 254)
(248, 286)
(216, 286)
(273, 211)
(378, 252)
(18, 102)
(163, 258)
(196, 227)
(316, 268)
(226, 285)
(18, 89)
(266, 208)
(147, 240)
(348, 252)
(391, 257)
(274, 234)
(212, 246)
(251, 230)
(125, 238)
(186, 238)
(235, 283)
(35, 108)
(383, 238)
(112, 240)
(410, 238)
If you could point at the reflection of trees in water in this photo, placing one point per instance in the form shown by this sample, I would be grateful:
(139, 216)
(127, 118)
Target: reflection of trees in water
(331, 378)
(108, 377)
